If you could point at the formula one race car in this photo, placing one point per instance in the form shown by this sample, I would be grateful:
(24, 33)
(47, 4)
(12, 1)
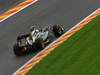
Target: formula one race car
(37, 39)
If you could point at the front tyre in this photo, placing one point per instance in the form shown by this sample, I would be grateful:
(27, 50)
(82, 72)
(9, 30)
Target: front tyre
(58, 30)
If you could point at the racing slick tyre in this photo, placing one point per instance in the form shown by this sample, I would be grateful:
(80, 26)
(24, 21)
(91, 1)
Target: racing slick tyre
(40, 43)
(17, 50)
(58, 30)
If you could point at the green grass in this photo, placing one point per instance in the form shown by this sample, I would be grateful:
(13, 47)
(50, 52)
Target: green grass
(79, 55)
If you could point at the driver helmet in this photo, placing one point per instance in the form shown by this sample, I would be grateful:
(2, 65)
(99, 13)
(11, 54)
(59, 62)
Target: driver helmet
(46, 28)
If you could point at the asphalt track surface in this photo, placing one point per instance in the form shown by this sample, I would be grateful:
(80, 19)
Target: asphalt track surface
(44, 12)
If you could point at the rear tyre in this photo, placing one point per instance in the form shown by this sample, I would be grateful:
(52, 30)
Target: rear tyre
(17, 50)
(58, 30)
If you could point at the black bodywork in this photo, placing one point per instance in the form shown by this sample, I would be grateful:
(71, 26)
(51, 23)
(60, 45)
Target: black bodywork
(22, 47)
